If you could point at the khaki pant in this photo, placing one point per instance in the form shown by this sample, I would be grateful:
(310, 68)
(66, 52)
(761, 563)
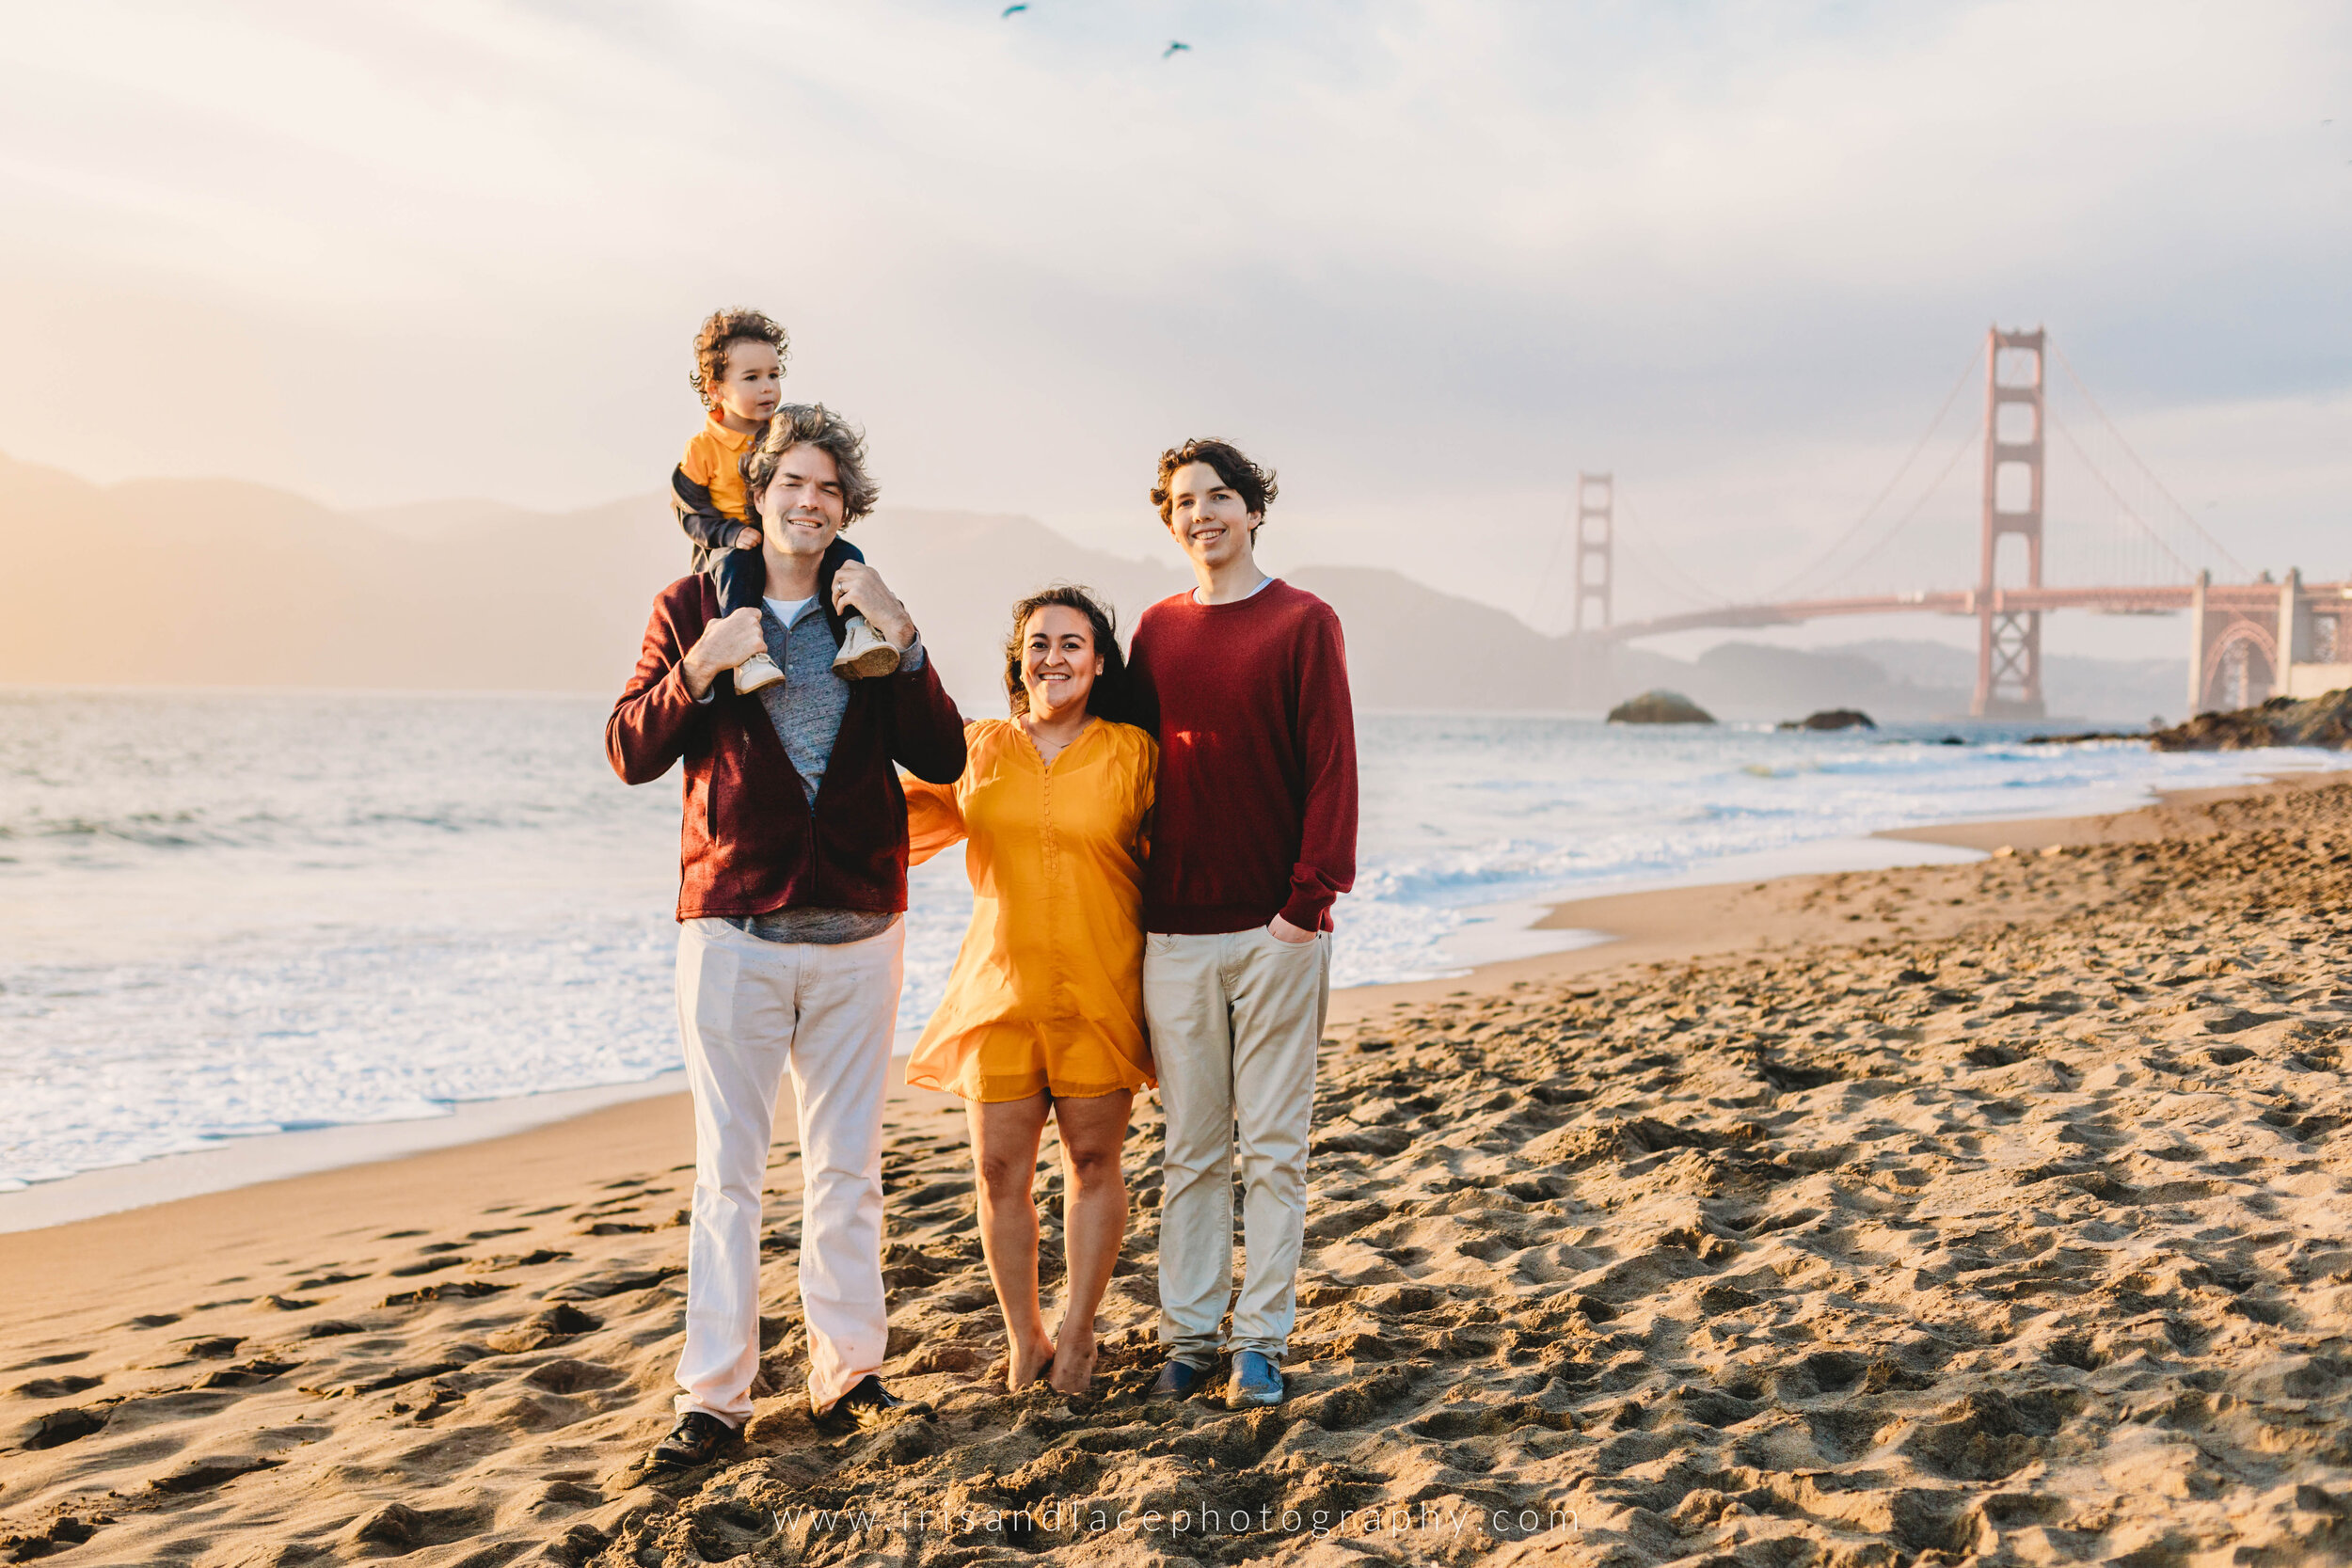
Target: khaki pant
(748, 1009)
(1236, 1020)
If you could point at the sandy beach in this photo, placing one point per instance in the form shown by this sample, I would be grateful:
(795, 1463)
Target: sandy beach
(1907, 1217)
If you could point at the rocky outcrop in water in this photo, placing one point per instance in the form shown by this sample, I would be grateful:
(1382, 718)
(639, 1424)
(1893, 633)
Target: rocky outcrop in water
(1831, 718)
(1660, 707)
(2324, 721)
(2077, 736)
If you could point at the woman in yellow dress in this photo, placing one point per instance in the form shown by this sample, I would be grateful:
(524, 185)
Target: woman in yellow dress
(1045, 1009)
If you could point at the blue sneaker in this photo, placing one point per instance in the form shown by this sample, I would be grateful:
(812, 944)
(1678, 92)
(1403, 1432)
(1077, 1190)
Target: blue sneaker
(1177, 1380)
(1255, 1382)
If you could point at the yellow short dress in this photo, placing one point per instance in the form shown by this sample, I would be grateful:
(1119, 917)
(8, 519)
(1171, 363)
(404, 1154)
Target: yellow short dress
(1047, 992)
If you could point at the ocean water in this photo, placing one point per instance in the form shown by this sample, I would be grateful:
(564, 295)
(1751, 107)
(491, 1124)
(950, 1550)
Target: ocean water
(225, 914)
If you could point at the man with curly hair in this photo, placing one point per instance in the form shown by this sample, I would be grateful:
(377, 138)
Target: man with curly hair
(792, 883)
(1245, 679)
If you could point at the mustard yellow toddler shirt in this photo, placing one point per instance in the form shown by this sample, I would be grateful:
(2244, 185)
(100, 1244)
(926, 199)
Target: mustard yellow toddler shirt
(714, 460)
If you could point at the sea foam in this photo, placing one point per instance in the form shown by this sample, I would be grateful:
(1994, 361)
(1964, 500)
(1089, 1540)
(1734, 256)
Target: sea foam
(230, 914)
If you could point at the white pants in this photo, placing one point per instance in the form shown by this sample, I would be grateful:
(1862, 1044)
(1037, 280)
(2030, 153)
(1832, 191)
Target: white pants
(746, 1009)
(1236, 1020)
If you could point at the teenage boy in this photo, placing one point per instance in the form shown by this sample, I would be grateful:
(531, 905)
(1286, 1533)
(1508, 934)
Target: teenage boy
(793, 878)
(1245, 679)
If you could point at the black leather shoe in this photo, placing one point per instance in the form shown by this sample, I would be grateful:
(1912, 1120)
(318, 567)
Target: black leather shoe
(868, 1404)
(698, 1438)
(1177, 1380)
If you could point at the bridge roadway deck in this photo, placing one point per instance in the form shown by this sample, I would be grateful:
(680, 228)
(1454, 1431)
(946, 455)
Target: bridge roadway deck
(2243, 596)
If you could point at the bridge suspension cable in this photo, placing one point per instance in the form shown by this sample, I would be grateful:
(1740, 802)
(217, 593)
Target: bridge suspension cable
(2146, 472)
(2116, 496)
(1966, 444)
(2125, 553)
(1662, 566)
(1967, 373)
(1659, 567)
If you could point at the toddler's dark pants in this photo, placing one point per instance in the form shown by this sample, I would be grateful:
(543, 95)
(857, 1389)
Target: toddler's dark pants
(740, 575)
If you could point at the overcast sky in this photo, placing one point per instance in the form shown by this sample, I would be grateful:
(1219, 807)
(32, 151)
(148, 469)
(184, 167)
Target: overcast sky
(1428, 259)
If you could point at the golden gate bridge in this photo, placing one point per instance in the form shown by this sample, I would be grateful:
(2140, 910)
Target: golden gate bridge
(2250, 635)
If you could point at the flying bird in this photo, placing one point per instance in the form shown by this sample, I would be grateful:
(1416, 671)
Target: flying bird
(1173, 45)
(1010, 9)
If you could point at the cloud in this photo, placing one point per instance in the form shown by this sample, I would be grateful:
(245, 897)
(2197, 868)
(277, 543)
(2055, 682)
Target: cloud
(1432, 257)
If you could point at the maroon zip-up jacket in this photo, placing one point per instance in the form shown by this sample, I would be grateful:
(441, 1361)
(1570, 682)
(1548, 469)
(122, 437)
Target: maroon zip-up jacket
(753, 842)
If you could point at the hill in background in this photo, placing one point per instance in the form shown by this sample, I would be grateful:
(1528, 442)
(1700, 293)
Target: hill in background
(219, 583)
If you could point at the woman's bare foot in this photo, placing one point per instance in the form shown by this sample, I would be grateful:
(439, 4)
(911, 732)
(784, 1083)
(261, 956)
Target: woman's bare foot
(1028, 1362)
(1073, 1362)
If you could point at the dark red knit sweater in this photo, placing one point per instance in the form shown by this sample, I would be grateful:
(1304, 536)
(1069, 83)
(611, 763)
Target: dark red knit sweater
(1256, 813)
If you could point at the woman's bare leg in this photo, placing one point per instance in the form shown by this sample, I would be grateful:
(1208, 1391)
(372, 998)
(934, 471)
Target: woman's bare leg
(1004, 1153)
(1094, 1222)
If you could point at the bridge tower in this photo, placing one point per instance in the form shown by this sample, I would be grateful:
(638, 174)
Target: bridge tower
(1595, 547)
(2009, 642)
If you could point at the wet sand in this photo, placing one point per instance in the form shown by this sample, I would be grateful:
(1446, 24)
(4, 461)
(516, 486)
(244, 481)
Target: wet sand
(1887, 1217)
